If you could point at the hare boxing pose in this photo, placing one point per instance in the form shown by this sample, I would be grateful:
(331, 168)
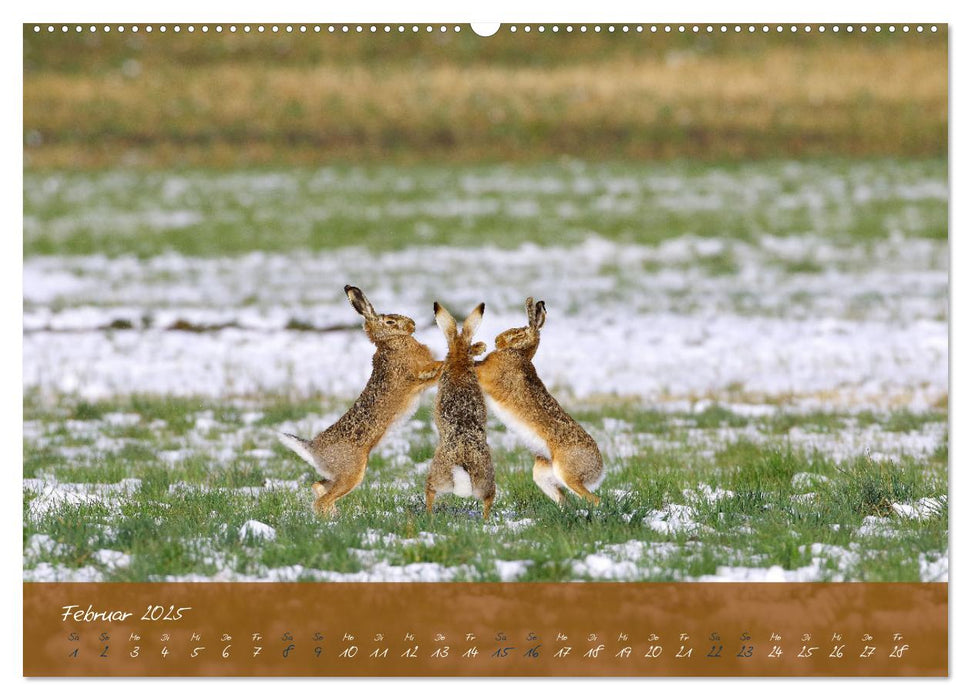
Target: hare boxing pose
(462, 463)
(565, 453)
(401, 369)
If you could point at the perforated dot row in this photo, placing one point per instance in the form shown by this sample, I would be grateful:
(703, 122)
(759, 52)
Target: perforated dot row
(428, 28)
(721, 28)
(248, 28)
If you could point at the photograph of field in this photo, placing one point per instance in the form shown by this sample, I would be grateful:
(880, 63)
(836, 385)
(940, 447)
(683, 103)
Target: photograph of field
(741, 241)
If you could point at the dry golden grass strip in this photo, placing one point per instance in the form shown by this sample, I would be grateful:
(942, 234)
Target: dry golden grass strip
(804, 96)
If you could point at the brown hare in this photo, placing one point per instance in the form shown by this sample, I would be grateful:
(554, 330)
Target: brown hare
(401, 369)
(462, 463)
(565, 453)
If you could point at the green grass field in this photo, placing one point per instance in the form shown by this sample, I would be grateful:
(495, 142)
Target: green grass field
(213, 213)
(167, 484)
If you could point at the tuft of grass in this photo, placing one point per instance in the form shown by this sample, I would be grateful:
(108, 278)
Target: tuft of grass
(869, 487)
(85, 410)
(752, 467)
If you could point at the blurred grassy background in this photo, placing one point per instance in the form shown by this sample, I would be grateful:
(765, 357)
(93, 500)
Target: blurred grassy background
(240, 100)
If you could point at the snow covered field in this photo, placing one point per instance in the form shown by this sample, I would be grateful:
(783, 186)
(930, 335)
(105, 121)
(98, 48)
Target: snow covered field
(154, 383)
(867, 329)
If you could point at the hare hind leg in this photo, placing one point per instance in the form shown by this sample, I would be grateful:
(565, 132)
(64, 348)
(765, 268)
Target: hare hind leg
(326, 505)
(327, 492)
(439, 480)
(580, 490)
(546, 480)
(322, 505)
(489, 492)
(487, 505)
(574, 482)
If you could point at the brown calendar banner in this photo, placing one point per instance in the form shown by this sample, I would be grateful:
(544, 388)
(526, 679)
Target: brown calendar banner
(455, 629)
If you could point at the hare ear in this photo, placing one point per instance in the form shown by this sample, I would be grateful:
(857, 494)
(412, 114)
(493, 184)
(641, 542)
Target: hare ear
(539, 315)
(471, 324)
(530, 310)
(359, 302)
(445, 321)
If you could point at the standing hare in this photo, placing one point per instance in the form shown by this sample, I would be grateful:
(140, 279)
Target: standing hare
(401, 368)
(462, 463)
(565, 453)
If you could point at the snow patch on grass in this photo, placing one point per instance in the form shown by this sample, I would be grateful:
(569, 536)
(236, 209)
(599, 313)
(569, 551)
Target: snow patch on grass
(875, 526)
(58, 573)
(674, 518)
(390, 539)
(421, 572)
(53, 494)
(818, 570)
(924, 508)
(256, 530)
(111, 559)
(705, 493)
(512, 570)
(40, 545)
(933, 570)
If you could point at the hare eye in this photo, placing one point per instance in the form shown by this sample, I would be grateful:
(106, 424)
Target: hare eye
(389, 322)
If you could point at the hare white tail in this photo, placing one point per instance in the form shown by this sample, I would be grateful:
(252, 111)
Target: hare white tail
(298, 445)
(462, 480)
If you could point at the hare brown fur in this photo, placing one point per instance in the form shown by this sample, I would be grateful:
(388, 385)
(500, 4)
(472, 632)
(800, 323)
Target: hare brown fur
(462, 463)
(566, 455)
(401, 369)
